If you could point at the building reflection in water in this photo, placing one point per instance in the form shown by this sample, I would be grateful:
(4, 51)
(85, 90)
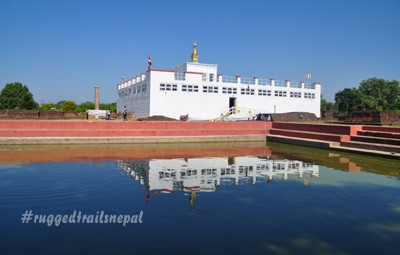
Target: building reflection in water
(208, 174)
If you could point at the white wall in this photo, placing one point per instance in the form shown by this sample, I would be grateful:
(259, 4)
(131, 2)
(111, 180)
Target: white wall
(210, 105)
(206, 105)
(136, 103)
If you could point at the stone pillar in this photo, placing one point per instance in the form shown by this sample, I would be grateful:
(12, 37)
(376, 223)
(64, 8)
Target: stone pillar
(96, 98)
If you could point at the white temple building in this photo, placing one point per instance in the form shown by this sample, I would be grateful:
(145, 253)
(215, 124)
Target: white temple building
(208, 174)
(198, 89)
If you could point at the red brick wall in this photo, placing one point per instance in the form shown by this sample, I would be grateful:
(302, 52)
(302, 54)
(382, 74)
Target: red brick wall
(293, 116)
(372, 117)
(34, 114)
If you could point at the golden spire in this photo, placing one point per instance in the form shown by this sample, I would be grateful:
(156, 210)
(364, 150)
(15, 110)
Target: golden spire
(195, 57)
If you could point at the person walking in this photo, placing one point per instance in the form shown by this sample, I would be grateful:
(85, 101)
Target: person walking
(125, 113)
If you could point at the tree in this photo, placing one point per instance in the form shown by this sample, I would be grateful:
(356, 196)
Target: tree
(59, 105)
(349, 100)
(85, 106)
(47, 106)
(69, 106)
(17, 96)
(386, 93)
(28, 103)
(326, 106)
(111, 106)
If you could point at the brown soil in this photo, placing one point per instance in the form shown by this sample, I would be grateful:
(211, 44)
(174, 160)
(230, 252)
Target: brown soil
(157, 118)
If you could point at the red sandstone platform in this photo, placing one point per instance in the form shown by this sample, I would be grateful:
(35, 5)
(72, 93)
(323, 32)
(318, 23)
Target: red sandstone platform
(382, 141)
(83, 132)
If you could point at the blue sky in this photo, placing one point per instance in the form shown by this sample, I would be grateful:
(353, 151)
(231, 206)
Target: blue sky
(62, 49)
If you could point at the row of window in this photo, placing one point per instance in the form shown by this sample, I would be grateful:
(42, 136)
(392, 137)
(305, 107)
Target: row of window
(230, 90)
(246, 91)
(140, 89)
(210, 89)
(168, 87)
(190, 88)
(227, 90)
(309, 95)
(213, 89)
(182, 77)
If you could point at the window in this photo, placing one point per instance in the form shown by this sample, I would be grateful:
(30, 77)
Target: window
(309, 95)
(190, 88)
(246, 91)
(264, 92)
(168, 87)
(295, 94)
(180, 76)
(134, 90)
(144, 87)
(227, 90)
(204, 77)
(210, 89)
(280, 93)
(211, 77)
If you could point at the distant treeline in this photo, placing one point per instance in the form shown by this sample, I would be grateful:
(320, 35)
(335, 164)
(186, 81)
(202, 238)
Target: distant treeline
(16, 96)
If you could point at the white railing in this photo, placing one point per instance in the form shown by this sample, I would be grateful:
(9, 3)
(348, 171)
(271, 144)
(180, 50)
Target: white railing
(279, 83)
(309, 85)
(229, 79)
(245, 111)
(294, 84)
(249, 81)
(264, 82)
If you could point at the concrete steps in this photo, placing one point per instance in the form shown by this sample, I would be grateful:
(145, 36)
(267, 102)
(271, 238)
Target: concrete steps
(379, 134)
(382, 129)
(49, 132)
(382, 141)
(375, 140)
(310, 135)
(385, 139)
(322, 132)
(134, 125)
(318, 128)
(125, 132)
(301, 141)
(371, 146)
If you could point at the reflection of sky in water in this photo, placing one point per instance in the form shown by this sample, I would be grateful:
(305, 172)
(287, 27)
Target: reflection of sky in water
(338, 178)
(236, 209)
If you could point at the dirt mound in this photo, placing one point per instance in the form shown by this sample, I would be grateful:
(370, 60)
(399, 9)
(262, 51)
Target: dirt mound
(157, 118)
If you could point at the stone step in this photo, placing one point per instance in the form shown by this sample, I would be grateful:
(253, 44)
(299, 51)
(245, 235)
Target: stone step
(318, 128)
(382, 129)
(118, 125)
(378, 140)
(124, 132)
(301, 141)
(310, 135)
(379, 134)
(371, 146)
(131, 139)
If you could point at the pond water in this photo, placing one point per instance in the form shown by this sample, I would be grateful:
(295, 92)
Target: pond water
(203, 199)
